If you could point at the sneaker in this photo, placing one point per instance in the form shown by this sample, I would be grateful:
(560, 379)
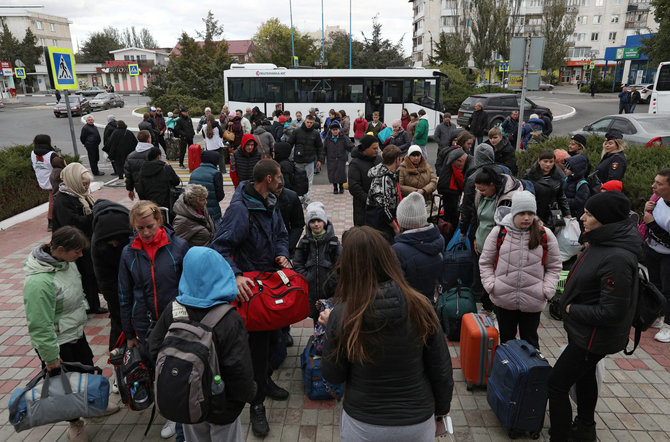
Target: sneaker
(115, 387)
(658, 323)
(581, 432)
(76, 432)
(664, 334)
(275, 392)
(259, 423)
(169, 430)
(289, 340)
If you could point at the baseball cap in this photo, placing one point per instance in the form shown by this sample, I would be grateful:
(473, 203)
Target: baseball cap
(152, 108)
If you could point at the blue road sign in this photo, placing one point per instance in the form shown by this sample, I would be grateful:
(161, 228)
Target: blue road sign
(20, 72)
(62, 68)
(133, 70)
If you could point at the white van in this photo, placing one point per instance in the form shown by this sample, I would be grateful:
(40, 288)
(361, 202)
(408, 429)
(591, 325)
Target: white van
(660, 96)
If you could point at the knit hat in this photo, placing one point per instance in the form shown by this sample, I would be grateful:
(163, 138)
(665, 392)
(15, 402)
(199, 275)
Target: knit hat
(367, 141)
(411, 212)
(412, 149)
(581, 139)
(609, 207)
(335, 125)
(612, 185)
(282, 119)
(523, 202)
(314, 211)
(454, 154)
(210, 156)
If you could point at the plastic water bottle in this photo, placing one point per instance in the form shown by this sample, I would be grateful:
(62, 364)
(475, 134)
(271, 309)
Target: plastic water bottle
(217, 385)
(139, 393)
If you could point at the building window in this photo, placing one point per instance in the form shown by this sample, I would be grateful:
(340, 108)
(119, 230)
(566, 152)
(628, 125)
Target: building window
(55, 42)
(534, 21)
(579, 36)
(600, 2)
(597, 19)
(52, 27)
(449, 20)
(583, 19)
(579, 52)
(142, 57)
(594, 36)
(449, 4)
(41, 42)
(536, 3)
(614, 19)
(612, 36)
(38, 25)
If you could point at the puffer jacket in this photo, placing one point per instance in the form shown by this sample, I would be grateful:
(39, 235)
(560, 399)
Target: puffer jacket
(315, 259)
(413, 178)
(383, 194)
(420, 254)
(401, 140)
(601, 289)
(156, 178)
(548, 192)
(575, 187)
(209, 176)
(406, 383)
(611, 167)
(504, 153)
(444, 133)
(197, 229)
(360, 124)
(146, 287)
(53, 298)
(359, 182)
(519, 281)
(309, 140)
(133, 164)
(266, 140)
(242, 166)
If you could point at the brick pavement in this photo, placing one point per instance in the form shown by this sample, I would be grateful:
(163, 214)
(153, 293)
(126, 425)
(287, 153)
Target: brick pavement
(633, 405)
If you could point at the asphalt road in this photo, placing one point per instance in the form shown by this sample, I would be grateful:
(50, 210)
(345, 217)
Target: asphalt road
(19, 123)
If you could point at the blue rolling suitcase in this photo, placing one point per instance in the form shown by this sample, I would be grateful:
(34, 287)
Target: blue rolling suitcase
(457, 263)
(517, 388)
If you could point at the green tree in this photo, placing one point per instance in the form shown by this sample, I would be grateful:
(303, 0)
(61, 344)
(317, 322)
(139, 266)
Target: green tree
(96, 48)
(451, 49)
(484, 33)
(557, 27)
(25, 50)
(273, 45)
(337, 51)
(657, 47)
(142, 39)
(378, 52)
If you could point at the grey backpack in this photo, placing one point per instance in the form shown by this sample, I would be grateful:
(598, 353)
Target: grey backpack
(186, 367)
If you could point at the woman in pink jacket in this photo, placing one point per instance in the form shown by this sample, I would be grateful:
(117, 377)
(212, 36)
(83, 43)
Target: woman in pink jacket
(520, 266)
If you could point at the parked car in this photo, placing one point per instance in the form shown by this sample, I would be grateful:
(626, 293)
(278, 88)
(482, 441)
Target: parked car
(546, 86)
(497, 107)
(90, 91)
(105, 101)
(78, 106)
(644, 129)
(645, 90)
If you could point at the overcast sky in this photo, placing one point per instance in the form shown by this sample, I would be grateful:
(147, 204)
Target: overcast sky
(167, 19)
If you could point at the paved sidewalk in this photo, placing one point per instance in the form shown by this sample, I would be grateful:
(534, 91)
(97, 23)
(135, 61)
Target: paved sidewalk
(633, 405)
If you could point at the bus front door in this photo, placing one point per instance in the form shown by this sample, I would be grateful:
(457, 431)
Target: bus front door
(374, 98)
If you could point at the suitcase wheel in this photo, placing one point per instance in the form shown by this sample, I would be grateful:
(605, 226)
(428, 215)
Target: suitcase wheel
(469, 386)
(535, 435)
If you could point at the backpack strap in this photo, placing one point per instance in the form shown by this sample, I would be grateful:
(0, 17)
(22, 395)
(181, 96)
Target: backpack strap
(501, 237)
(579, 184)
(215, 315)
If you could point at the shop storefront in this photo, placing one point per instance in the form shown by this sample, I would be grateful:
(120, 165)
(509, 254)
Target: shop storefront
(631, 65)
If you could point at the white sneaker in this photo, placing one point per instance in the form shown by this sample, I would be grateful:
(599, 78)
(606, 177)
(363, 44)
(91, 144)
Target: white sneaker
(168, 430)
(115, 388)
(658, 323)
(664, 334)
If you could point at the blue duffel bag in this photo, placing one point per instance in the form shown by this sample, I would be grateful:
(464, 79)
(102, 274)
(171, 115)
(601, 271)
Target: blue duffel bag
(457, 263)
(316, 387)
(67, 396)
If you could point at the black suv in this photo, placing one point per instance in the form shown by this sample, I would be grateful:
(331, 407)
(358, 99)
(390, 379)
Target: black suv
(497, 107)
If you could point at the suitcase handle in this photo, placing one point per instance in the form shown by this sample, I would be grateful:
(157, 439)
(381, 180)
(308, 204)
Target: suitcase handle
(532, 351)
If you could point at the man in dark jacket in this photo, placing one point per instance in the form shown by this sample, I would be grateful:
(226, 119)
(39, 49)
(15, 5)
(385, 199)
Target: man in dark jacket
(634, 99)
(107, 133)
(256, 117)
(90, 138)
(183, 129)
(134, 162)
(199, 293)
(548, 127)
(624, 98)
(209, 176)
(478, 123)
(445, 132)
(419, 247)
(121, 144)
(149, 124)
(307, 146)
(161, 127)
(156, 178)
(504, 152)
(252, 237)
(598, 307)
(511, 127)
(363, 159)
(292, 214)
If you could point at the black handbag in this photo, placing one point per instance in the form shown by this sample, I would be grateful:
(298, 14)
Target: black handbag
(556, 219)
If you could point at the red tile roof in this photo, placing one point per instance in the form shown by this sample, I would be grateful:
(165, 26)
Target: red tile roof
(235, 47)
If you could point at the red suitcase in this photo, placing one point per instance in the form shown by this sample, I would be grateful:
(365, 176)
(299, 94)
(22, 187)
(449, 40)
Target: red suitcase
(194, 151)
(479, 339)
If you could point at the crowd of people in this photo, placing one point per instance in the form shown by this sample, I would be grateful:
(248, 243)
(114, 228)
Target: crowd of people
(383, 337)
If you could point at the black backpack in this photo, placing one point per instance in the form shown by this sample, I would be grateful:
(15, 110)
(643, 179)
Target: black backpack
(650, 305)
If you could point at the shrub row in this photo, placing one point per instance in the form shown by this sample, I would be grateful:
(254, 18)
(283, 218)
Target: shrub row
(642, 164)
(20, 190)
(602, 86)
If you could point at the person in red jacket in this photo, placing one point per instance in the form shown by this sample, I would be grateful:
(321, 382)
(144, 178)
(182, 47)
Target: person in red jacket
(360, 124)
(244, 159)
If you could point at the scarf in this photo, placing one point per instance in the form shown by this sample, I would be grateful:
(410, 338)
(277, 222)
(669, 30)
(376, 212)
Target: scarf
(152, 246)
(456, 179)
(73, 176)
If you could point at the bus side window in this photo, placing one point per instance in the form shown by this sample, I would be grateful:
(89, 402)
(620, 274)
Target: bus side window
(425, 92)
(240, 89)
(663, 83)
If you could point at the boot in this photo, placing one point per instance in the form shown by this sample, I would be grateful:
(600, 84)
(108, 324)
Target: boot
(583, 432)
(259, 423)
(275, 392)
(76, 432)
(335, 192)
(341, 188)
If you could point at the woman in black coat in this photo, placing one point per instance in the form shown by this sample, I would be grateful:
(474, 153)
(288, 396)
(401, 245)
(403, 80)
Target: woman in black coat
(73, 206)
(450, 184)
(598, 306)
(337, 146)
(121, 143)
(612, 165)
(362, 160)
(547, 178)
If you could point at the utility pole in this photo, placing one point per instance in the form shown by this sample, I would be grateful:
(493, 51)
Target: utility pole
(523, 93)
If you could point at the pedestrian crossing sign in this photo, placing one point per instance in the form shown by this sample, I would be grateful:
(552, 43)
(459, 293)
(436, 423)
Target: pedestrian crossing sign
(20, 72)
(62, 68)
(133, 70)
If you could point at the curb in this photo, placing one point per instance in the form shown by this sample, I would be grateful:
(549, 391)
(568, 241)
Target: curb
(570, 114)
(39, 210)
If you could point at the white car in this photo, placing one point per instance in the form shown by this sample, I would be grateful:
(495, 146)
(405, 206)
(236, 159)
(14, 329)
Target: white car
(645, 90)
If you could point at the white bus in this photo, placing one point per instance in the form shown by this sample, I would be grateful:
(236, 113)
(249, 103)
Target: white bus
(386, 91)
(660, 96)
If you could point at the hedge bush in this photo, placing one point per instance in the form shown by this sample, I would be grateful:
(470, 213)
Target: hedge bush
(602, 86)
(642, 164)
(196, 107)
(20, 190)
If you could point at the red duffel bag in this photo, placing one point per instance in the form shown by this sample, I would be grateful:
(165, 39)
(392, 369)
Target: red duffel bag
(279, 299)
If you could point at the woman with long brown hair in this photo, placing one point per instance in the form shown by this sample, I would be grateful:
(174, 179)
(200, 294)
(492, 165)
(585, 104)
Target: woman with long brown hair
(385, 342)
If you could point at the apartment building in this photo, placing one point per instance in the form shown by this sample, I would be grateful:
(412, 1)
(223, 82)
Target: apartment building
(50, 30)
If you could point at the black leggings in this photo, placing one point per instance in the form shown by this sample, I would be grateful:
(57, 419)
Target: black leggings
(509, 320)
(576, 366)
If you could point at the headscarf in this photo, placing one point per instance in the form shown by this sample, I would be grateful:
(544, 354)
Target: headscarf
(73, 177)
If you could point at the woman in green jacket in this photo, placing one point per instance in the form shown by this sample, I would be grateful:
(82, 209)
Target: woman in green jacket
(55, 306)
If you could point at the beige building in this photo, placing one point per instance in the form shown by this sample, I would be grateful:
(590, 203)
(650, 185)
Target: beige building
(50, 30)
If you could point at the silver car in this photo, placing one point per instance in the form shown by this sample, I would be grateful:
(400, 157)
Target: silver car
(105, 101)
(644, 129)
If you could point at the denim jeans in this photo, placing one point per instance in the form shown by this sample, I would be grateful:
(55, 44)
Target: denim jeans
(309, 170)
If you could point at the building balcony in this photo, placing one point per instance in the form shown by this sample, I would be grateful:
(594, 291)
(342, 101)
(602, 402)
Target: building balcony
(635, 25)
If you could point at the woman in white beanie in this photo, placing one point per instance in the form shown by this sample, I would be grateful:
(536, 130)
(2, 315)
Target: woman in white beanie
(520, 266)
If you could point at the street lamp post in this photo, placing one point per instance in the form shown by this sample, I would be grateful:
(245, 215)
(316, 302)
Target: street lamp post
(349, 34)
(290, 7)
(323, 39)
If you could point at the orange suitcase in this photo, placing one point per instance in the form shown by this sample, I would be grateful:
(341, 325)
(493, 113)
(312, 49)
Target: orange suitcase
(479, 339)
